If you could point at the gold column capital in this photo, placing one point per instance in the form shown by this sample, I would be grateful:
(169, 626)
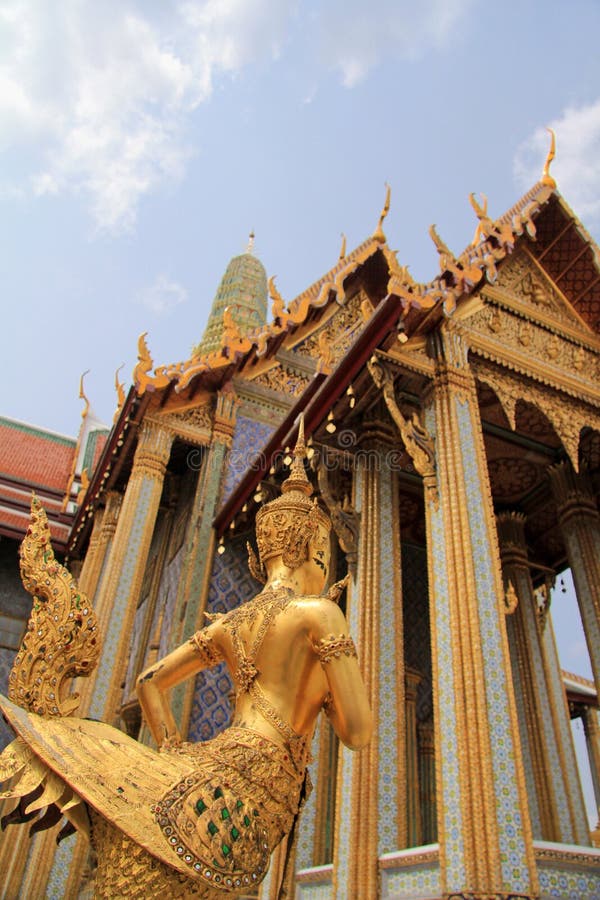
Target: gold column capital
(225, 416)
(448, 346)
(511, 538)
(572, 491)
(449, 349)
(153, 450)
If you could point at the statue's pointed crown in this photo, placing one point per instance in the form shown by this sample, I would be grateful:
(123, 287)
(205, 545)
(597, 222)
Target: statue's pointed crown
(285, 525)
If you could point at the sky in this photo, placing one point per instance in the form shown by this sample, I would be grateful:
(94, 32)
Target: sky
(141, 142)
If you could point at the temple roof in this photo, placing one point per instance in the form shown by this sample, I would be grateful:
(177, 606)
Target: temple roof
(35, 456)
(553, 235)
(33, 459)
(541, 219)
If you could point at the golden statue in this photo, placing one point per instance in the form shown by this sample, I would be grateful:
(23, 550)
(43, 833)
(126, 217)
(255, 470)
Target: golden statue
(193, 819)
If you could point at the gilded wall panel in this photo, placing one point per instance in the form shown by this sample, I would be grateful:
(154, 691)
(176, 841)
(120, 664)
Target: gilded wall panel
(533, 349)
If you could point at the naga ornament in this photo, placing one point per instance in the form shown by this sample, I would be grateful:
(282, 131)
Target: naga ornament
(62, 639)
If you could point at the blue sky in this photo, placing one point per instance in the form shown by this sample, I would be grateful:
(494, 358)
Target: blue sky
(140, 142)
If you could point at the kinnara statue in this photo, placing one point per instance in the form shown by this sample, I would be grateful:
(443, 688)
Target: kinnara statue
(188, 820)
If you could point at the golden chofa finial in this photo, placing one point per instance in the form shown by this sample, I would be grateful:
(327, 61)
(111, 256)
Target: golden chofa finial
(82, 395)
(343, 247)
(119, 387)
(378, 233)
(250, 247)
(547, 178)
(297, 480)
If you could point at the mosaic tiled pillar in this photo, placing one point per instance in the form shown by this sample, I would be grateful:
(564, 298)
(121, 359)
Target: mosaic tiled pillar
(555, 804)
(307, 826)
(91, 580)
(591, 726)
(193, 591)
(486, 845)
(427, 782)
(413, 804)
(370, 807)
(122, 580)
(580, 526)
(564, 734)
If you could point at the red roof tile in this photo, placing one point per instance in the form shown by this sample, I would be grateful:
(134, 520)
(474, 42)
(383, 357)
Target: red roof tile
(34, 455)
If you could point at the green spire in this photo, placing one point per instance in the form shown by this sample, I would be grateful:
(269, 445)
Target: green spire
(244, 289)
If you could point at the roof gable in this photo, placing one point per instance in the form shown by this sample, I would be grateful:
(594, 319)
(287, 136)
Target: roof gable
(525, 285)
(570, 258)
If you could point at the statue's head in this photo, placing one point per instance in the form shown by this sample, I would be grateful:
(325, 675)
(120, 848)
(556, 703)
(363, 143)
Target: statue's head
(292, 528)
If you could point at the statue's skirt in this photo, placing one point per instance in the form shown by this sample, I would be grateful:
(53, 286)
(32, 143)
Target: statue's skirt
(195, 820)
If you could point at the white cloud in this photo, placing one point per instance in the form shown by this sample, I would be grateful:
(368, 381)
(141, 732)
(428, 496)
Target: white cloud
(162, 295)
(577, 164)
(100, 95)
(356, 36)
(96, 97)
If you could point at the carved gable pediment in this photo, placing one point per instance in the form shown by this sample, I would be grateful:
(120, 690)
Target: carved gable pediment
(330, 343)
(522, 282)
(193, 423)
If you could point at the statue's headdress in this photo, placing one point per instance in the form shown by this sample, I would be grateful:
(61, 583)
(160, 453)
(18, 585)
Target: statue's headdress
(285, 526)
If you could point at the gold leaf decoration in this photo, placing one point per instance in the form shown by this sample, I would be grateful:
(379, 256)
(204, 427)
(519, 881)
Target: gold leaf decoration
(62, 639)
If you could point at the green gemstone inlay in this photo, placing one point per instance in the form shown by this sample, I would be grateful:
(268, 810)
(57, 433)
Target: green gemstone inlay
(246, 821)
(239, 804)
(226, 850)
(200, 807)
(212, 828)
(218, 793)
(235, 834)
(224, 813)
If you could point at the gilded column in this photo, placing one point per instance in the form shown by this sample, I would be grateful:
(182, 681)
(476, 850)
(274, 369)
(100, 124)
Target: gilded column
(90, 562)
(580, 526)
(91, 582)
(15, 846)
(413, 804)
(96, 556)
(592, 738)
(486, 845)
(200, 541)
(374, 821)
(427, 782)
(122, 580)
(556, 803)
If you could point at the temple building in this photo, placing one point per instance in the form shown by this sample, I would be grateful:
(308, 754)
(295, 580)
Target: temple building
(454, 438)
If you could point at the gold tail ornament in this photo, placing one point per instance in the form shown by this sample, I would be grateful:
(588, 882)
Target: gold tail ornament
(61, 642)
(62, 639)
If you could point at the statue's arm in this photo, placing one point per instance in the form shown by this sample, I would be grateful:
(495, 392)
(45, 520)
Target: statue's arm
(200, 652)
(346, 705)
